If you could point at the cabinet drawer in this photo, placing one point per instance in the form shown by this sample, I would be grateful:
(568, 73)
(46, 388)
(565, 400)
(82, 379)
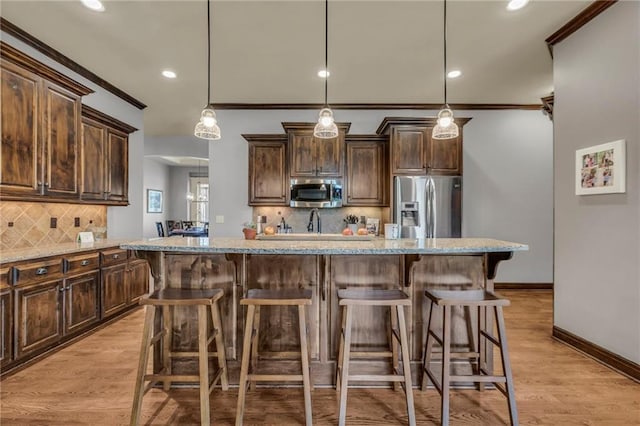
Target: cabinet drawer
(113, 257)
(4, 277)
(82, 263)
(37, 272)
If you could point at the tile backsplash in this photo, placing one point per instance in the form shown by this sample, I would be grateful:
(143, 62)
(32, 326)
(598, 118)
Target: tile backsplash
(332, 219)
(32, 222)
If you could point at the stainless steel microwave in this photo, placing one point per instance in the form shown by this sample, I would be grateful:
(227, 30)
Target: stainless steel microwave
(316, 192)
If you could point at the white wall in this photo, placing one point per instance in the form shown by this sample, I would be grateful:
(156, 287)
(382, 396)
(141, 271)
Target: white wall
(122, 222)
(156, 176)
(507, 176)
(179, 183)
(597, 237)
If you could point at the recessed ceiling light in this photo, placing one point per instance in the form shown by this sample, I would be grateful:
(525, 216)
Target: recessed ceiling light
(323, 73)
(93, 5)
(454, 74)
(169, 74)
(517, 4)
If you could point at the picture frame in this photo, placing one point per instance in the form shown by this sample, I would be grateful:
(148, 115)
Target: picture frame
(373, 226)
(600, 169)
(154, 201)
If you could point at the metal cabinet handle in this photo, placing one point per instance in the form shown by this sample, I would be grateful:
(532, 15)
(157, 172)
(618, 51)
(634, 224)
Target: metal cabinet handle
(61, 289)
(115, 256)
(41, 271)
(84, 263)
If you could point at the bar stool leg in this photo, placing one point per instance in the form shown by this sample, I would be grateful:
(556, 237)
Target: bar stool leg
(142, 364)
(406, 364)
(304, 351)
(426, 360)
(166, 346)
(203, 361)
(393, 325)
(506, 365)
(220, 347)
(345, 366)
(481, 344)
(244, 369)
(446, 360)
(340, 349)
(254, 345)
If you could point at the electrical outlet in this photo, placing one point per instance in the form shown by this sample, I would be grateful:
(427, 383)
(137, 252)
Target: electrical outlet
(219, 219)
(10, 224)
(76, 222)
(54, 222)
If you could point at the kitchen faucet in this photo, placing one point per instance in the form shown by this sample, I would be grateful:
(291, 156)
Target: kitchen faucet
(310, 225)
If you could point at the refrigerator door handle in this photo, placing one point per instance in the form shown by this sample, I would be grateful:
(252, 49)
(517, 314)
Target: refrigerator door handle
(432, 206)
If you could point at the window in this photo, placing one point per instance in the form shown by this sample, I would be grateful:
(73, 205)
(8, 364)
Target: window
(199, 206)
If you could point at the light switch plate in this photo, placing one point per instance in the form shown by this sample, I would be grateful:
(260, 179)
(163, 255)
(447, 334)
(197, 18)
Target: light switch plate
(219, 219)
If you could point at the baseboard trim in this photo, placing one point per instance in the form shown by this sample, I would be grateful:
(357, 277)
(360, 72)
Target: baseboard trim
(523, 286)
(600, 354)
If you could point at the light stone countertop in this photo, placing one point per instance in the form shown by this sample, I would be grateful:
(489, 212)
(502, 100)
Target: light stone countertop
(28, 253)
(375, 246)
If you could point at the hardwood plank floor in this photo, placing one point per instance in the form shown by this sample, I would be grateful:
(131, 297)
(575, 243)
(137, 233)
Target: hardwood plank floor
(91, 383)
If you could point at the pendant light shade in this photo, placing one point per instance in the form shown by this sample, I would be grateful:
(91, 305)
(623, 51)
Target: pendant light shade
(207, 127)
(445, 128)
(326, 127)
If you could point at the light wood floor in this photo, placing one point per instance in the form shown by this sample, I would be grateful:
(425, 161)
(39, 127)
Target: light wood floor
(91, 383)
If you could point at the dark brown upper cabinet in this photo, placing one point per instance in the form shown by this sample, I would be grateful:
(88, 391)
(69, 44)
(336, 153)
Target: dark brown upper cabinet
(313, 157)
(268, 182)
(367, 174)
(414, 152)
(40, 116)
(104, 153)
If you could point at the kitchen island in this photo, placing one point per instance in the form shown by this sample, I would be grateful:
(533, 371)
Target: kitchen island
(237, 265)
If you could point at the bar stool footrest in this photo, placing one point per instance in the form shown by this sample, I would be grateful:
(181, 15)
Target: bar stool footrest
(274, 377)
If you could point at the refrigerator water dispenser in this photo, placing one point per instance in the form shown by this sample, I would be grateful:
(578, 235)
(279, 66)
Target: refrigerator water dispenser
(410, 214)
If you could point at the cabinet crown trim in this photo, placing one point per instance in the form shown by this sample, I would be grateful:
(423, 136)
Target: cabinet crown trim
(287, 126)
(388, 122)
(13, 55)
(265, 137)
(107, 120)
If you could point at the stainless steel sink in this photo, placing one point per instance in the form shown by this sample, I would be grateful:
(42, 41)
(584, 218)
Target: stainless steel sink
(314, 237)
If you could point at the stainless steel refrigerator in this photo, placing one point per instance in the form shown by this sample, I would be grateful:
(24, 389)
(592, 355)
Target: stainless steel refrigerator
(428, 206)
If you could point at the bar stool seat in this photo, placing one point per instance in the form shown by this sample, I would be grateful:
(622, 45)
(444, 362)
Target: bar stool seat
(164, 300)
(395, 300)
(266, 297)
(481, 299)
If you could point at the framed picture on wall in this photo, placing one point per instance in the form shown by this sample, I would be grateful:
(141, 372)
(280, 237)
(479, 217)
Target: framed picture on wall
(601, 169)
(154, 201)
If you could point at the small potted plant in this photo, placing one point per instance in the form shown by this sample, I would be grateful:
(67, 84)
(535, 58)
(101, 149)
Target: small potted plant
(249, 231)
(352, 222)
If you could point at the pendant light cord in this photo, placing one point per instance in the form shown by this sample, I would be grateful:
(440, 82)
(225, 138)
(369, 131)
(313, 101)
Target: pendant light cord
(326, 49)
(445, 52)
(208, 52)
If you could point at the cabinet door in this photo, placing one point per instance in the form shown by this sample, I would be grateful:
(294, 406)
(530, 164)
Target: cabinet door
(6, 329)
(267, 173)
(117, 167)
(302, 153)
(329, 154)
(408, 150)
(366, 174)
(20, 151)
(137, 280)
(38, 316)
(61, 132)
(445, 156)
(93, 141)
(81, 301)
(114, 292)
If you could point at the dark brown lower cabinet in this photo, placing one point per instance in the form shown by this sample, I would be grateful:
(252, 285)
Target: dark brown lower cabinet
(81, 296)
(38, 316)
(6, 329)
(137, 279)
(114, 291)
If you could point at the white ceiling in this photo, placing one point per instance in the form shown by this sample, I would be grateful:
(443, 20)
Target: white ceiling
(270, 51)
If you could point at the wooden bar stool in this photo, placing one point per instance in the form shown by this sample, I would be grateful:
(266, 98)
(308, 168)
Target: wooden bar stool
(395, 300)
(262, 297)
(480, 299)
(165, 299)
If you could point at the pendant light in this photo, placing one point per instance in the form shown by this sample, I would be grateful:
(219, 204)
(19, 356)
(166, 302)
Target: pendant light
(445, 128)
(207, 127)
(326, 127)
